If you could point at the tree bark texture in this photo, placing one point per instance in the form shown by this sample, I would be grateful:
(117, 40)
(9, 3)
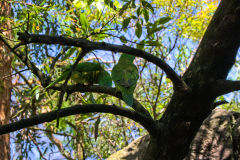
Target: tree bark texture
(218, 138)
(5, 80)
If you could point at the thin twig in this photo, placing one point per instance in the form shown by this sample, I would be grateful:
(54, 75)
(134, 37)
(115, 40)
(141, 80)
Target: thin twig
(17, 72)
(36, 144)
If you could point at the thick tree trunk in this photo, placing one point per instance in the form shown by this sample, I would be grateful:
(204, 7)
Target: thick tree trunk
(5, 80)
(187, 109)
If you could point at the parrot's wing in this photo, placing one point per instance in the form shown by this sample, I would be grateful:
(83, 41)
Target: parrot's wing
(104, 79)
(79, 77)
(85, 73)
(59, 79)
(125, 76)
(117, 73)
(88, 67)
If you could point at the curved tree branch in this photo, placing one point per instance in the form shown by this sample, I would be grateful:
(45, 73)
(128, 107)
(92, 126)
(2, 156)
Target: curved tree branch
(149, 124)
(103, 89)
(27, 38)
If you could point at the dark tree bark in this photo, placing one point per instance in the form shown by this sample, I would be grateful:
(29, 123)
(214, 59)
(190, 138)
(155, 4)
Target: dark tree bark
(5, 81)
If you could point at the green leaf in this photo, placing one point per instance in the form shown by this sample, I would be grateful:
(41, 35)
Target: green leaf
(91, 99)
(162, 20)
(138, 31)
(110, 4)
(34, 89)
(147, 5)
(138, 11)
(154, 43)
(69, 53)
(35, 92)
(134, 17)
(133, 4)
(153, 30)
(83, 21)
(140, 46)
(126, 23)
(146, 15)
(90, 2)
(47, 68)
(124, 7)
(96, 126)
(123, 39)
(101, 98)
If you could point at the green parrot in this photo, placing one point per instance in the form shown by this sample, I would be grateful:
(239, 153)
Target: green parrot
(125, 76)
(86, 73)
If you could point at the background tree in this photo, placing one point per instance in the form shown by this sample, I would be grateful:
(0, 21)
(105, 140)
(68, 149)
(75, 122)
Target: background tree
(5, 77)
(170, 107)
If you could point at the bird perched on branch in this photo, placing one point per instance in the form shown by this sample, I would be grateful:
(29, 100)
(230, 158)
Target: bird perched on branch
(86, 73)
(125, 76)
